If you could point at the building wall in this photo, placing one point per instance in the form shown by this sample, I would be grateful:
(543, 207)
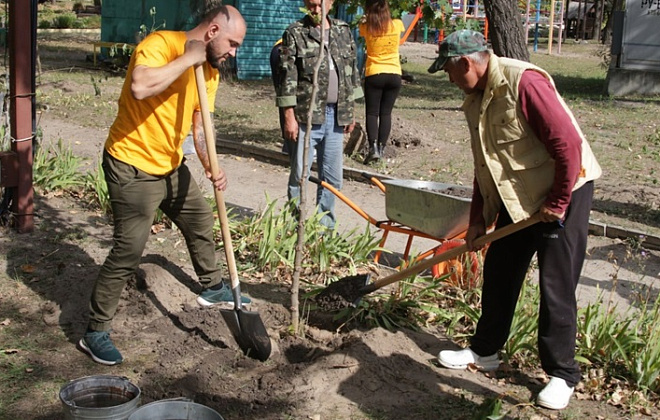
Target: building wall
(121, 19)
(635, 62)
(641, 43)
(266, 21)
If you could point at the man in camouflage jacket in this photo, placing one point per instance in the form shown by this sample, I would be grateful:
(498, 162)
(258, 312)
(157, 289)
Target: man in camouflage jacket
(339, 85)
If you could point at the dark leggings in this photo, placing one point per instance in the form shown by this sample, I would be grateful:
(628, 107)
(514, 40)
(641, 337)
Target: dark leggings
(380, 92)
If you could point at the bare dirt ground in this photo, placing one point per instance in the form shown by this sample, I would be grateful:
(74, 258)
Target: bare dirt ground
(173, 348)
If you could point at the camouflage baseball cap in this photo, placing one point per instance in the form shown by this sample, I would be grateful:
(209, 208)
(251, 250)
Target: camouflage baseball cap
(457, 44)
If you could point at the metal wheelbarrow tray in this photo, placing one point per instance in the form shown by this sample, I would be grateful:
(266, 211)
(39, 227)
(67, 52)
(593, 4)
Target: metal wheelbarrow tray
(437, 209)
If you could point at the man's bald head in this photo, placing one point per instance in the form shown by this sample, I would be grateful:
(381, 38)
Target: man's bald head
(224, 31)
(225, 15)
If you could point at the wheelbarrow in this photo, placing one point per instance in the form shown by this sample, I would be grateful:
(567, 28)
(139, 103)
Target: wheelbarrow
(422, 209)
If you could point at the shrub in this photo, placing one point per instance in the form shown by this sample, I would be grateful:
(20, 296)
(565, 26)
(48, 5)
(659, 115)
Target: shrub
(65, 20)
(91, 22)
(57, 168)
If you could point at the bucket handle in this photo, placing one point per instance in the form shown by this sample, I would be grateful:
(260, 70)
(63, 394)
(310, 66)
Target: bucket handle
(181, 399)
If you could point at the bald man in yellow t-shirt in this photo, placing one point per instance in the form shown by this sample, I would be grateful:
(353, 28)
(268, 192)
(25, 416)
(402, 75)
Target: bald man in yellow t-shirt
(144, 166)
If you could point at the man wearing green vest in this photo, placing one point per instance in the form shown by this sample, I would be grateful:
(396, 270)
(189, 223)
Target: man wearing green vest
(530, 157)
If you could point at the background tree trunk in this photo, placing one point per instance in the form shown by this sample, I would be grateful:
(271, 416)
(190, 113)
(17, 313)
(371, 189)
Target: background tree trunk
(506, 32)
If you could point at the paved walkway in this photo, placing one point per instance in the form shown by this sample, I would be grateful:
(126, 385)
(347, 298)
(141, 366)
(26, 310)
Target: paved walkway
(610, 267)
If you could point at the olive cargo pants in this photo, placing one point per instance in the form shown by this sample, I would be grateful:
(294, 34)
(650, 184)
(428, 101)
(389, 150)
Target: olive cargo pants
(135, 196)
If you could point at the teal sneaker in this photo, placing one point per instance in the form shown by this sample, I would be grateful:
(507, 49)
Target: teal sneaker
(99, 346)
(221, 296)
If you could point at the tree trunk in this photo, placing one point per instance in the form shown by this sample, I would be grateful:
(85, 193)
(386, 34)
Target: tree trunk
(605, 36)
(506, 31)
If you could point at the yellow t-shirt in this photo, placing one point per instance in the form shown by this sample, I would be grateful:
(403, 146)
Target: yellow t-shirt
(383, 50)
(149, 133)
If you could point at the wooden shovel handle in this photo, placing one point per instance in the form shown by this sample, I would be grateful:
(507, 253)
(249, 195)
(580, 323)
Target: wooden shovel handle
(209, 135)
(452, 253)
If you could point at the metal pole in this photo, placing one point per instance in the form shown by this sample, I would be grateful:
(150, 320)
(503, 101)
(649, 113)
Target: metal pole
(584, 21)
(536, 27)
(552, 26)
(600, 20)
(579, 19)
(527, 22)
(21, 69)
(562, 25)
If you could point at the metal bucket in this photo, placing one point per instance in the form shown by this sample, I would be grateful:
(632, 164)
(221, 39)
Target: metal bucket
(99, 397)
(177, 409)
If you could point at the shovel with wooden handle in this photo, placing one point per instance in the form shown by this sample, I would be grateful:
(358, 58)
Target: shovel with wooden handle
(247, 327)
(347, 292)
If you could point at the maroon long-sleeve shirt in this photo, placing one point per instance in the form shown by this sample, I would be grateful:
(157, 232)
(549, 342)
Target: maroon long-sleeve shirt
(554, 128)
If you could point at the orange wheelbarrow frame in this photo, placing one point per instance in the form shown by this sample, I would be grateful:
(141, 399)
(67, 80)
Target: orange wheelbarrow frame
(445, 244)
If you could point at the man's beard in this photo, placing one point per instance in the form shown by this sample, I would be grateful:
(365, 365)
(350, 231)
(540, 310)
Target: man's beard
(214, 61)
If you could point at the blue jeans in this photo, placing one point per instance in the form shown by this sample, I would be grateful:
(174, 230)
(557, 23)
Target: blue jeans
(328, 141)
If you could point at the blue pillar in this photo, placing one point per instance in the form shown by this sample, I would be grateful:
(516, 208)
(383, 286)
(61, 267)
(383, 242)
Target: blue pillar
(536, 26)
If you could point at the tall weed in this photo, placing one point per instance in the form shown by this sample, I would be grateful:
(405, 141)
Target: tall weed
(96, 185)
(411, 304)
(57, 168)
(523, 335)
(644, 366)
(268, 241)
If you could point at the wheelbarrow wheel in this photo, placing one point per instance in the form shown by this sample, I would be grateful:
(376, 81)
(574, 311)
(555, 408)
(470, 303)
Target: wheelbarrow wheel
(463, 271)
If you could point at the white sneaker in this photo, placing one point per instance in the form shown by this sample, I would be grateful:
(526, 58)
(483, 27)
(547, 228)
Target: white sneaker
(460, 359)
(555, 395)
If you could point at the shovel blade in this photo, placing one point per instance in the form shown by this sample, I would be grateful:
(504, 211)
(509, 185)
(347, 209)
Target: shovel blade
(343, 293)
(249, 332)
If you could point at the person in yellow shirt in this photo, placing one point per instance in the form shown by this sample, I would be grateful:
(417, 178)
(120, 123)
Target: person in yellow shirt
(382, 73)
(145, 169)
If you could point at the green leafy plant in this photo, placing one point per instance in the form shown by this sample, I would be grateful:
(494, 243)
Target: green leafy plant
(95, 183)
(57, 168)
(315, 18)
(397, 309)
(490, 409)
(268, 240)
(65, 21)
(97, 88)
(144, 30)
(644, 347)
(523, 335)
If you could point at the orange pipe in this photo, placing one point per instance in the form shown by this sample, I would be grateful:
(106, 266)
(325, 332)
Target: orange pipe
(374, 181)
(418, 14)
(345, 199)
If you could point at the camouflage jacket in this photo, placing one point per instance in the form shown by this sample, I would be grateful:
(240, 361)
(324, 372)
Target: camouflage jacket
(300, 48)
